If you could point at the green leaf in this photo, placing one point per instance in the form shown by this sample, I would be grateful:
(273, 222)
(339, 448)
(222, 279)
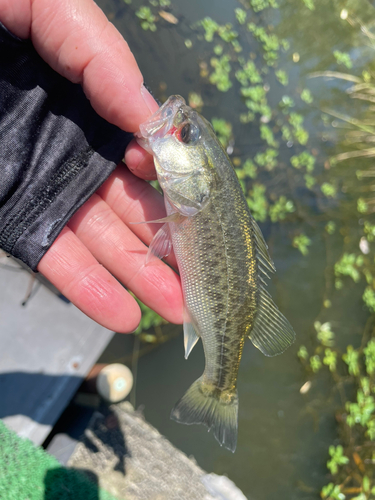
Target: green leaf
(337, 458)
(257, 202)
(315, 363)
(329, 190)
(280, 209)
(268, 159)
(306, 96)
(223, 130)
(282, 76)
(369, 352)
(330, 359)
(343, 58)
(369, 298)
(324, 333)
(302, 242)
(351, 358)
(302, 353)
(347, 266)
(240, 15)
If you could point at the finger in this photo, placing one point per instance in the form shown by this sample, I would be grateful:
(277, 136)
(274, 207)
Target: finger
(76, 273)
(134, 200)
(77, 40)
(115, 246)
(16, 16)
(139, 161)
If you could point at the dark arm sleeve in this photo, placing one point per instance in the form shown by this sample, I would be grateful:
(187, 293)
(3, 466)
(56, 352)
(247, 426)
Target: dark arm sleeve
(55, 151)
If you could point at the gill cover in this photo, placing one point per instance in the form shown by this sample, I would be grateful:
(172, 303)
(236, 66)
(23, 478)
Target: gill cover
(173, 136)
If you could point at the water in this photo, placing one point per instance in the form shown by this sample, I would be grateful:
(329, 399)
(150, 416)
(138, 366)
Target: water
(283, 435)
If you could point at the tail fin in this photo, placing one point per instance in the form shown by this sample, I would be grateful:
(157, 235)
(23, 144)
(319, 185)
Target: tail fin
(202, 404)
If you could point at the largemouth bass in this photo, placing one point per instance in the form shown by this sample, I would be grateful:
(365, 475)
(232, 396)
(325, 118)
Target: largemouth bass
(222, 259)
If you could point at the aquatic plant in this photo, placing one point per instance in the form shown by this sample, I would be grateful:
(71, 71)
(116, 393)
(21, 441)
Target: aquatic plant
(147, 18)
(302, 242)
(220, 76)
(309, 4)
(259, 5)
(223, 131)
(267, 159)
(337, 458)
(195, 101)
(282, 76)
(280, 209)
(343, 58)
(257, 202)
(306, 96)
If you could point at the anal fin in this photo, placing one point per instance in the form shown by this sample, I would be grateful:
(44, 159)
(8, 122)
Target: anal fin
(190, 338)
(190, 335)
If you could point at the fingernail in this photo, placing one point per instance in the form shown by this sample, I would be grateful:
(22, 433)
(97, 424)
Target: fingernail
(148, 99)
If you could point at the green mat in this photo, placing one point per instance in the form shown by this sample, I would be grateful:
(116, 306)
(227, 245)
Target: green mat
(29, 473)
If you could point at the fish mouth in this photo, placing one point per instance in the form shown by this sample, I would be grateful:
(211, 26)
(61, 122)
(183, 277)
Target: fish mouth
(160, 123)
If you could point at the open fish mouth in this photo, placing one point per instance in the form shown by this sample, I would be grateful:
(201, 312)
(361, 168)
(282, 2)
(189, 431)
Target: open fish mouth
(160, 123)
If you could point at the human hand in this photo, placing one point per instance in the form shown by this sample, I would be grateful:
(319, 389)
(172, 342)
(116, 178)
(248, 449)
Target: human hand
(75, 38)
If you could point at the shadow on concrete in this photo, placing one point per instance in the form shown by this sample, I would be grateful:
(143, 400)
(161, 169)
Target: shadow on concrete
(105, 428)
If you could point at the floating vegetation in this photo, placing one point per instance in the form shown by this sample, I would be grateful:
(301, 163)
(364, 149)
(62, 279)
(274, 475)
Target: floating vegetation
(147, 18)
(302, 242)
(282, 76)
(259, 5)
(268, 159)
(350, 463)
(280, 209)
(195, 101)
(306, 96)
(328, 190)
(343, 58)
(220, 76)
(310, 4)
(303, 160)
(258, 202)
(224, 131)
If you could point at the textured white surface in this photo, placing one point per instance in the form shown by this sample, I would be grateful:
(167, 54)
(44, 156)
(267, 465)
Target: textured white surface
(134, 462)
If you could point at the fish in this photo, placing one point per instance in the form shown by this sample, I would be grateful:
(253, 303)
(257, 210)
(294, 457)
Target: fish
(222, 258)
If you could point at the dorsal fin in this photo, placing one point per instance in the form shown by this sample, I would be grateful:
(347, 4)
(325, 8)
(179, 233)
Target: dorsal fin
(271, 333)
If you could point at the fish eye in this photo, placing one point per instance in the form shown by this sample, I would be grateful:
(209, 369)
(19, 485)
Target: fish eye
(188, 133)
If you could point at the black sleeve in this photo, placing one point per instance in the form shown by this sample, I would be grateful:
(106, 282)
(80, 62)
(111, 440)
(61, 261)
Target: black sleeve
(55, 151)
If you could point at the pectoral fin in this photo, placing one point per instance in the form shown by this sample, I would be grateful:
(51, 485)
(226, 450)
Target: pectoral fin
(175, 217)
(161, 244)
